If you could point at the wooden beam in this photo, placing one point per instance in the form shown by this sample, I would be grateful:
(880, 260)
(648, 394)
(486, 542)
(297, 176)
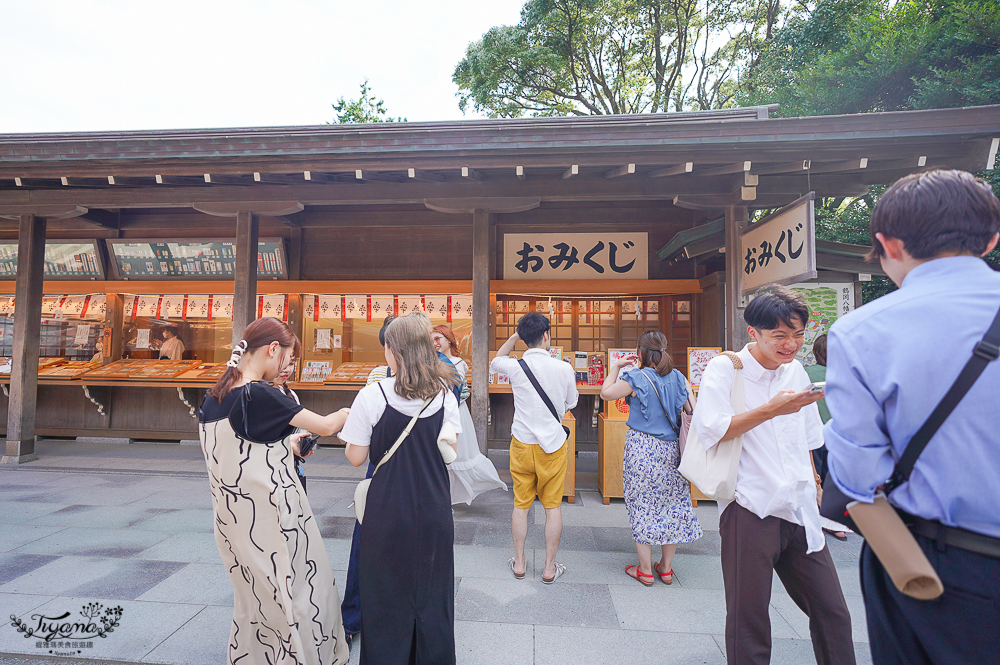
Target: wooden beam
(23, 391)
(518, 171)
(418, 174)
(833, 167)
(377, 177)
(627, 169)
(102, 218)
(791, 167)
(245, 278)
(472, 175)
(114, 314)
(234, 208)
(54, 211)
(596, 287)
(737, 218)
(686, 167)
(495, 205)
(571, 171)
(725, 170)
(480, 322)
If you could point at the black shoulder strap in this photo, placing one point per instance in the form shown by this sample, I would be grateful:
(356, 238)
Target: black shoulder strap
(538, 389)
(985, 352)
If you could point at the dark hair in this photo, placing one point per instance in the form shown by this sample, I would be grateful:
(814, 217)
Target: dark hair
(449, 335)
(531, 327)
(420, 373)
(937, 211)
(819, 349)
(653, 352)
(385, 325)
(172, 330)
(774, 305)
(261, 332)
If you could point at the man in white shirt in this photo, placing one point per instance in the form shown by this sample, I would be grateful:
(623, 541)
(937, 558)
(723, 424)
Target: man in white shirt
(773, 524)
(538, 441)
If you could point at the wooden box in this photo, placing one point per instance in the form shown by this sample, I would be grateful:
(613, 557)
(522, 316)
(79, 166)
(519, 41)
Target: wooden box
(610, 457)
(616, 410)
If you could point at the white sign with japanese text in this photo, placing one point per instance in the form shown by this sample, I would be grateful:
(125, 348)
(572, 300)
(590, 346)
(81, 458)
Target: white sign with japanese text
(576, 256)
(781, 248)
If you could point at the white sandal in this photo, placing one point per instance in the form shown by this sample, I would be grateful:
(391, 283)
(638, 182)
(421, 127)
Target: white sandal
(560, 569)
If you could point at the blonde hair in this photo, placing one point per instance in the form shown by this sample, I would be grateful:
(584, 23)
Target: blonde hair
(420, 374)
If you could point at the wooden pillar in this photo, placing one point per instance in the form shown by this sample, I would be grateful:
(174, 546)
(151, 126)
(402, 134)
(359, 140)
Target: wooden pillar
(736, 328)
(245, 279)
(480, 322)
(27, 331)
(114, 315)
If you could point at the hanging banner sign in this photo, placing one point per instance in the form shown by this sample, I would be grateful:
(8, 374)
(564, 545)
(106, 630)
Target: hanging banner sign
(330, 307)
(461, 307)
(576, 256)
(781, 248)
(436, 306)
(197, 307)
(380, 307)
(356, 307)
(222, 307)
(407, 304)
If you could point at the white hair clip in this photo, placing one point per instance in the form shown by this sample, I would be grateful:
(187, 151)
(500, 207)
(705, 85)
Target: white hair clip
(238, 350)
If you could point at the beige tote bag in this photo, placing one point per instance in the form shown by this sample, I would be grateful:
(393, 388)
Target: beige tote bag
(713, 471)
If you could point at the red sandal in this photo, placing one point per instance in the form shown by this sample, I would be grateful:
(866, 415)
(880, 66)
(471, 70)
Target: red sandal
(639, 575)
(663, 576)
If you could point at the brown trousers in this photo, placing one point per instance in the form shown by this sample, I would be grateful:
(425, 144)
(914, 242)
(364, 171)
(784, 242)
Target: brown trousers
(751, 549)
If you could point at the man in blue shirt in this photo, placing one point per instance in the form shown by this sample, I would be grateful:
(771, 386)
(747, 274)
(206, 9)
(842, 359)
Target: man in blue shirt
(889, 364)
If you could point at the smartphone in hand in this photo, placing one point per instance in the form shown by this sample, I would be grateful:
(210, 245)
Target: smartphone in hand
(817, 387)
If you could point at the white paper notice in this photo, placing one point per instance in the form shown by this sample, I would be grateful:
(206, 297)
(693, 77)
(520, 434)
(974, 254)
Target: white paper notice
(336, 341)
(322, 338)
(82, 335)
(142, 339)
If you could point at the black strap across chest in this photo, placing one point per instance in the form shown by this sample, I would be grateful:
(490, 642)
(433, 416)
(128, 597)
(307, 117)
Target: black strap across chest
(538, 389)
(985, 352)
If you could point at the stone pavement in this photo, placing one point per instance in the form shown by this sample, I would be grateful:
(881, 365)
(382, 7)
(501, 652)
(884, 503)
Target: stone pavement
(131, 526)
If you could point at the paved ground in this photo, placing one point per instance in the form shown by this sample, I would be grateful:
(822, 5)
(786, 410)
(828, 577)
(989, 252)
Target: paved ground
(130, 526)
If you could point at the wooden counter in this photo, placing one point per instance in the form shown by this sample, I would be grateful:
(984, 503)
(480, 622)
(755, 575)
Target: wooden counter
(610, 457)
(569, 490)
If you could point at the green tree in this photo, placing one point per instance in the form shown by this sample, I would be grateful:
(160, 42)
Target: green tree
(596, 57)
(366, 109)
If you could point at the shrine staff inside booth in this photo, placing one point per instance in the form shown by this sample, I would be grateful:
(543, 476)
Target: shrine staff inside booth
(172, 347)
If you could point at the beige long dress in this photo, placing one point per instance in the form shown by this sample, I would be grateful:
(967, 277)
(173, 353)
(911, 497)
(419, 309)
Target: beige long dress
(286, 608)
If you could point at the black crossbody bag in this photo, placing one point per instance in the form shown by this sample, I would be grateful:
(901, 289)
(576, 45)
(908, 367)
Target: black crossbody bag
(835, 502)
(541, 393)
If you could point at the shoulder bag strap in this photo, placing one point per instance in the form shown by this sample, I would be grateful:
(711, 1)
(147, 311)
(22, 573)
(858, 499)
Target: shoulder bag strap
(403, 435)
(665, 414)
(985, 352)
(538, 389)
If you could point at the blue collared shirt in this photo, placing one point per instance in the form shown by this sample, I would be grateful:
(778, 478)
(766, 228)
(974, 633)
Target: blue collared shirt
(889, 364)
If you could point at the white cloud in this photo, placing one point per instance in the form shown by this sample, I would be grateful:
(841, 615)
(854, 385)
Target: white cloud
(132, 64)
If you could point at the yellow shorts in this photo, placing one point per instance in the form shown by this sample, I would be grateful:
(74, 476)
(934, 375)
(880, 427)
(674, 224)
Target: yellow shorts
(535, 470)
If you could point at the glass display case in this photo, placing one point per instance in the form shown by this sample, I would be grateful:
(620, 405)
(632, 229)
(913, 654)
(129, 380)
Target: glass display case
(71, 326)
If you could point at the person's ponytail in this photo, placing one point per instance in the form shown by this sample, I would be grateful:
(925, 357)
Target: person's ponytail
(653, 352)
(262, 332)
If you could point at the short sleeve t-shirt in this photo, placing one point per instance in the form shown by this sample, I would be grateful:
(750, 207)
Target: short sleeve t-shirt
(370, 404)
(257, 411)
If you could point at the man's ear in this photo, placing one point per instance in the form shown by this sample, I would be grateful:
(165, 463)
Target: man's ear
(893, 248)
(992, 244)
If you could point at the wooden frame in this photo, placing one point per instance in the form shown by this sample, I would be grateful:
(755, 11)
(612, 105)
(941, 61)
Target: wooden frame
(116, 268)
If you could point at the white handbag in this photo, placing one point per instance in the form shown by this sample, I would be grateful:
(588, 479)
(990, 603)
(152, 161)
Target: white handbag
(713, 471)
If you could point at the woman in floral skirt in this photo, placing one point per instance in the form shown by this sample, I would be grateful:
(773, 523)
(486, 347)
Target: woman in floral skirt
(657, 497)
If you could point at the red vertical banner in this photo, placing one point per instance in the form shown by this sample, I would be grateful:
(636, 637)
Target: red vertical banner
(316, 309)
(369, 309)
(86, 304)
(449, 309)
(135, 303)
(395, 305)
(159, 303)
(343, 309)
(285, 317)
(184, 308)
(260, 306)
(423, 304)
(210, 303)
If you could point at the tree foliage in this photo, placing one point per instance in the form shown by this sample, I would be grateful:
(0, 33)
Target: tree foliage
(596, 57)
(855, 56)
(366, 109)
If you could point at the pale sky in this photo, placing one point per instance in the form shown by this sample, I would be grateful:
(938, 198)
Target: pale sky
(87, 65)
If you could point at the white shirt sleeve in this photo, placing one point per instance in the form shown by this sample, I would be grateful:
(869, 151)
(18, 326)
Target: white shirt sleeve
(714, 412)
(503, 364)
(451, 413)
(357, 430)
